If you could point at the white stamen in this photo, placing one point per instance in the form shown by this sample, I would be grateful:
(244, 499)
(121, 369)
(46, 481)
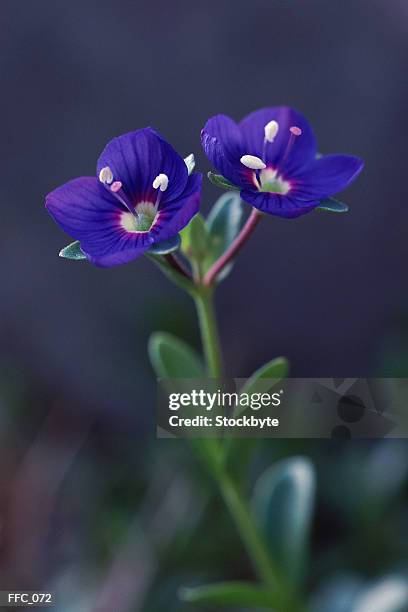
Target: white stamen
(271, 129)
(105, 175)
(161, 182)
(252, 162)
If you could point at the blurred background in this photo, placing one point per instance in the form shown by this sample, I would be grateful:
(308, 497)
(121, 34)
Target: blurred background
(90, 503)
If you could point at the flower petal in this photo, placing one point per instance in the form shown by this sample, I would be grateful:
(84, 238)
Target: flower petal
(303, 150)
(137, 158)
(89, 213)
(277, 204)
(327, 176)
(222, 143)
(177, 214)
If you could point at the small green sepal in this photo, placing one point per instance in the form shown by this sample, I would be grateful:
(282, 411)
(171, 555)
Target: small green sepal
(72, 251)
(220, 181)
(332, 205)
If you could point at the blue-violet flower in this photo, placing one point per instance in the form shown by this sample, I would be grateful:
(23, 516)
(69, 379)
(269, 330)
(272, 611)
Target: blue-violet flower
(142, 195)
(271, 156)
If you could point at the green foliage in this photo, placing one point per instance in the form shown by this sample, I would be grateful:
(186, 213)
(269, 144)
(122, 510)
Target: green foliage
(167, 246)
(229, 594)
(194, 239)
(224, 224)
(173, 358)
(267, 376)
(333, 205)
(72, 251)
(282, 503)
(220, 181)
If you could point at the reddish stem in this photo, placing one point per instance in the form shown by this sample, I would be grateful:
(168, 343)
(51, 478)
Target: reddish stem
(177, 265)
(234, 248)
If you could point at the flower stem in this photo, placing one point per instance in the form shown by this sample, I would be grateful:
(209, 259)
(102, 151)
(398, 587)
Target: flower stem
(249, 533)
(177, 265)
(234, 248)
(236, 504)
(209, 332)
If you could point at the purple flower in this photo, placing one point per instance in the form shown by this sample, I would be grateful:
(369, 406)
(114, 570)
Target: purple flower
(271, 156)
(142, 195)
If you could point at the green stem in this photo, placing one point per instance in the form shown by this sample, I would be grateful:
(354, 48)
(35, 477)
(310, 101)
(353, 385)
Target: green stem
(236, 504)
(248, 531)
(209, 332)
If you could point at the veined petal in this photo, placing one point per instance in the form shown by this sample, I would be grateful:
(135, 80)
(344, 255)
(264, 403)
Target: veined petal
(326, 176)
(222, 143)
(137, 158)
(116, 258)
(277, 204)
(302, 152)
(89, 213)
(175, 215)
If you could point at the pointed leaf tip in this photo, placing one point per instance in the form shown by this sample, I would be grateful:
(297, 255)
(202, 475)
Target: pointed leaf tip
(72, 251)
(173, 358)
(333, 205)
(220, 181)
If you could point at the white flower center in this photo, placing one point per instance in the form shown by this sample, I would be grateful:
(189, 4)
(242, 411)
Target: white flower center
(143, 221)
(269, 181)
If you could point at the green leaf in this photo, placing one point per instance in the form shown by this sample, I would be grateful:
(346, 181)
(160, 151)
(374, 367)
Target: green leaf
(224, 224)
(190, 163)
(167, 246)
(261, 381)
(265, 378)
(194, 238)
(173, 358)
(332, 205)
(273, 371)
(282, 503)
(72, 251)
(228, 594)
(220, 181)
(389, 594)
